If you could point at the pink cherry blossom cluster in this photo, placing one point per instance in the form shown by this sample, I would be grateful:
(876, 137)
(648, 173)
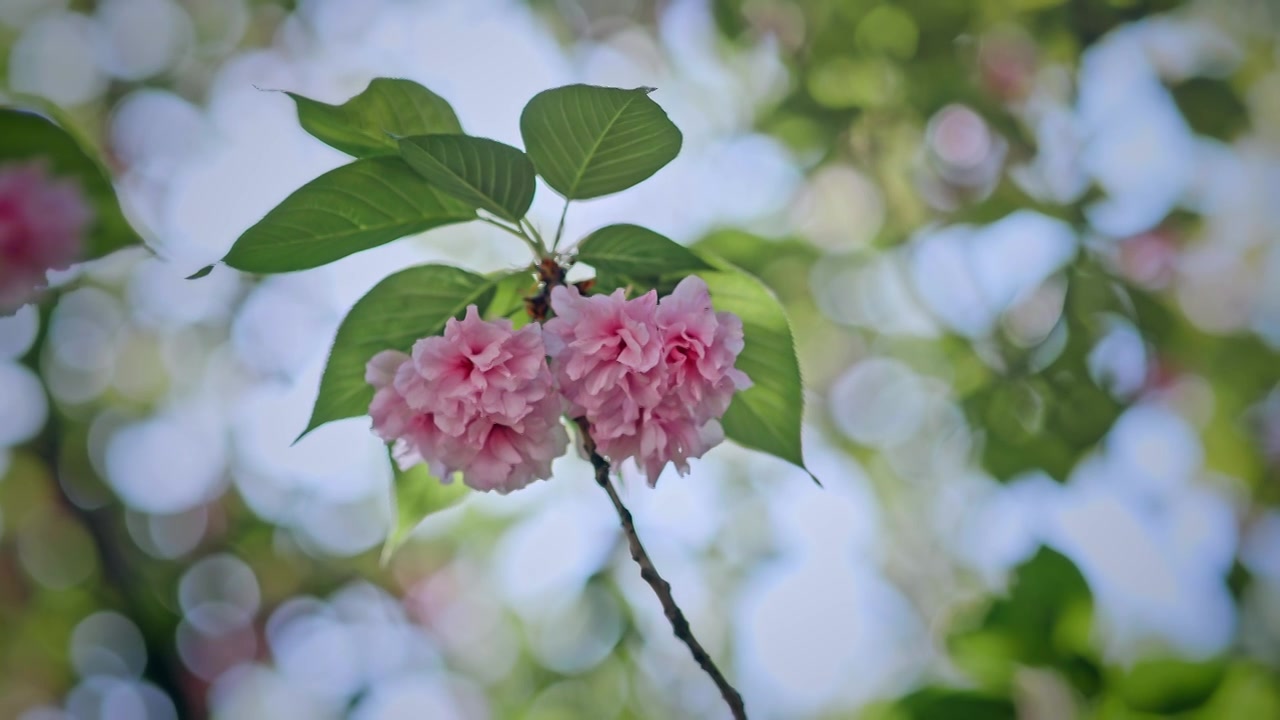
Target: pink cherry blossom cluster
(480, 400)
(42, 228)
(651, 377)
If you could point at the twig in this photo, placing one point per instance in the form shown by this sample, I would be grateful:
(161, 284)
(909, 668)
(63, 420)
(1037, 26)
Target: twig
(661, 588)
(560, 228)
(551, 274)
(118, 574)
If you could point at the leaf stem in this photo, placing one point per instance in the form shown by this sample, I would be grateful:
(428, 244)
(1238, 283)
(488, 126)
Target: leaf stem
(533, 231)
(519, 232)
(660, 587)
(560, 227)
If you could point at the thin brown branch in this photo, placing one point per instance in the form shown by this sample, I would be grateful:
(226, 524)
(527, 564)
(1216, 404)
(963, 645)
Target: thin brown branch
(119, 575)
(661, 588)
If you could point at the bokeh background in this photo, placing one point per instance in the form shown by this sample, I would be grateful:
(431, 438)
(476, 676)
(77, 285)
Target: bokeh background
(1031, 251)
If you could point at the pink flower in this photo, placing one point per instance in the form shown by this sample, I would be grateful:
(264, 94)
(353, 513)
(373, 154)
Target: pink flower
(666, 433)
(42, 227)
(480, 400)
(606, 347)
(699, 349)
(651, 377)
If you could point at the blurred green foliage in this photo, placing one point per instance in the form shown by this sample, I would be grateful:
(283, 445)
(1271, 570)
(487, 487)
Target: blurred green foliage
(1044, 621)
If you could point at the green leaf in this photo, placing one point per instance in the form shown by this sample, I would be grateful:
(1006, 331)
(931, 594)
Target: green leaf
(636, 252)
(26, 136)
(482, 173)
(409, 305)
(509, 293)
(1249, 690)
(202, 272)
(1045, 620)
(934, 703)
(418, 494)
(1212, 107)
(1167, 686)
(758, 255)
(355, 207)
(1043, 591)
(588, 141)
(370, 123)
(1051, 418)
(766, 416)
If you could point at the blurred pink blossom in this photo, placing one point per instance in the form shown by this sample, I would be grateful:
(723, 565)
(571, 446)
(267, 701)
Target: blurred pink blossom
(480, 400)
(42, 227)
(651, 377)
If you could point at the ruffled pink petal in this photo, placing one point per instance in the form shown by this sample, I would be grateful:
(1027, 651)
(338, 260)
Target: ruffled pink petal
(651, 376)
(479, 400)
(381, 369)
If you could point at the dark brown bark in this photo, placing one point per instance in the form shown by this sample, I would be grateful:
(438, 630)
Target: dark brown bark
(661, 588)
